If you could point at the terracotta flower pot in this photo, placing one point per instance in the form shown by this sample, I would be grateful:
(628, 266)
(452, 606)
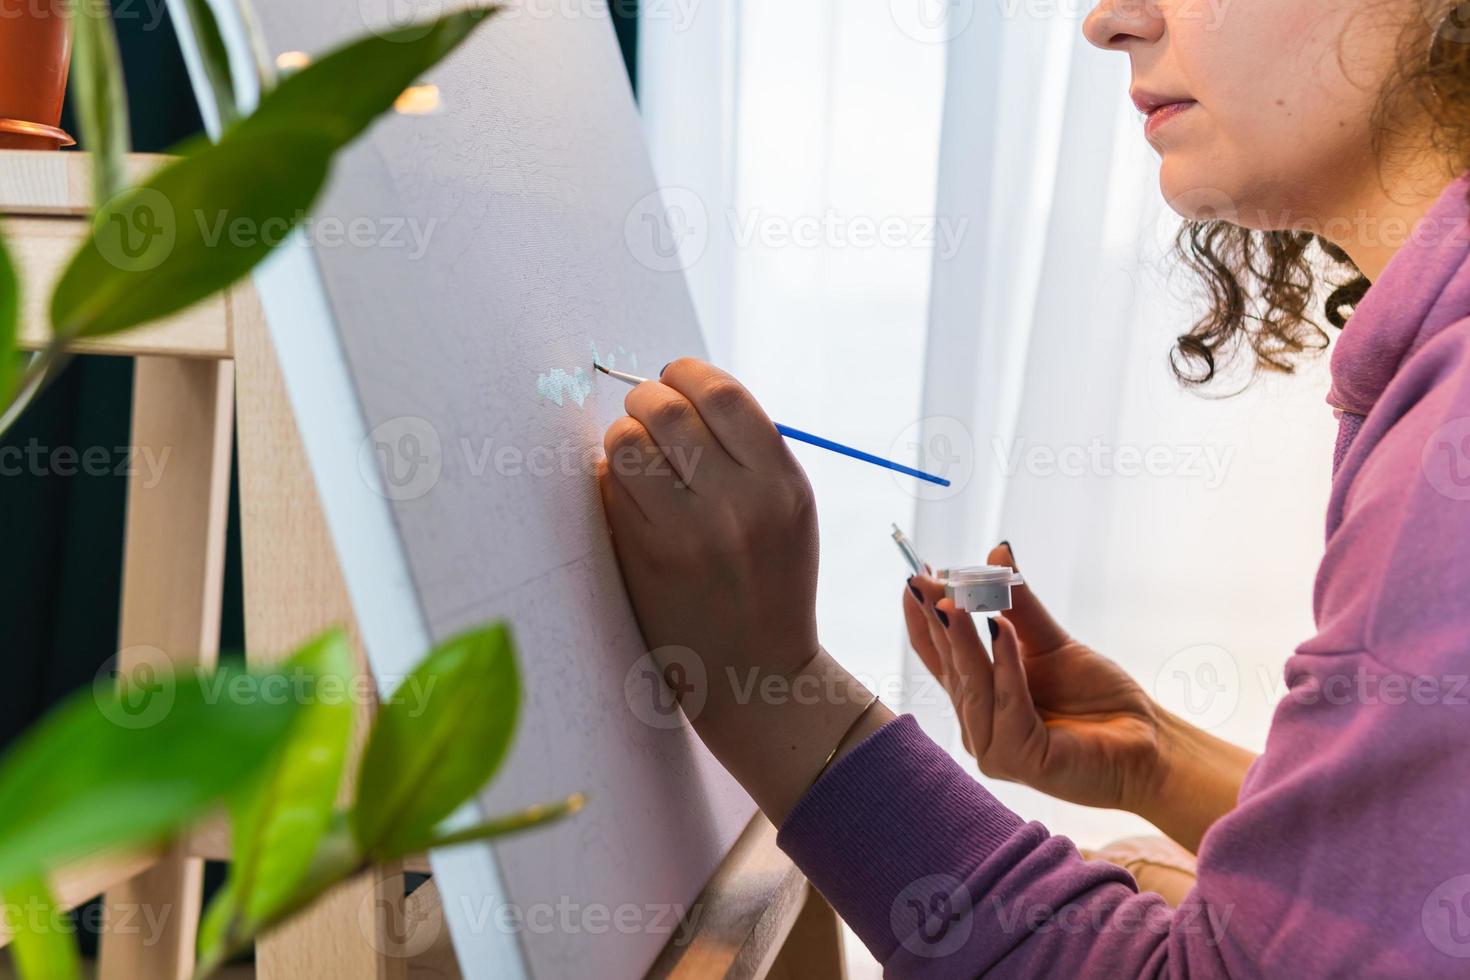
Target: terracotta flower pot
(35, 54)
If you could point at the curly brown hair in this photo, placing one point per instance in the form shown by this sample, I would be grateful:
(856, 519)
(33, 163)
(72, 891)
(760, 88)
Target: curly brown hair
(1262, 287)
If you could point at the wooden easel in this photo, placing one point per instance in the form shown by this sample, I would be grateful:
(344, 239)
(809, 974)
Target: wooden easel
(195, 375)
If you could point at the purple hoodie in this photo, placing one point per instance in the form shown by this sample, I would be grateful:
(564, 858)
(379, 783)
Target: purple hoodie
(1348, 854)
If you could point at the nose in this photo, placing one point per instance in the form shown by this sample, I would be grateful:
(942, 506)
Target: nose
(1117, 25)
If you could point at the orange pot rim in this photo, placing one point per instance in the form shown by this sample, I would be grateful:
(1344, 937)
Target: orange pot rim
(21, 127)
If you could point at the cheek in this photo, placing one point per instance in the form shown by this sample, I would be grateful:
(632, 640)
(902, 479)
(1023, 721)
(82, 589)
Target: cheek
(1263, 63)
(1279, 109)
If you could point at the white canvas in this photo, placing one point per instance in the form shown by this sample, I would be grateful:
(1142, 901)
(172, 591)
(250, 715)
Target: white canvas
(439, 362)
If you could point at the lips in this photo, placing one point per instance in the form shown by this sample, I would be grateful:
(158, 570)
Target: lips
(1160, 109)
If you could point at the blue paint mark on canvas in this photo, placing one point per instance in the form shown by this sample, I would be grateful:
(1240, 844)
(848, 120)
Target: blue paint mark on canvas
(560, 386)
(611, 360)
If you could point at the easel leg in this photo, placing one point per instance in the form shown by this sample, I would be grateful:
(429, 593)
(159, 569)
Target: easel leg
(813, 950)
(293, 590)
(173, 567)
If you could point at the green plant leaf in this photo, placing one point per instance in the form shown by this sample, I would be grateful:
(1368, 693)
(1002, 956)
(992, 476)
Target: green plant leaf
(512, 823)
(336, 860)
(214, 58)
(114, 769)
(277, 826)
(101, 97)
(195, 228)
(346, 90)
(44, 943)
(439, 738)
(9, 324)
(215, 928)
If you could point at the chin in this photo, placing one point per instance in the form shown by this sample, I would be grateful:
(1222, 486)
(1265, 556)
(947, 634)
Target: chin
(1197, 188)
(1197, 193)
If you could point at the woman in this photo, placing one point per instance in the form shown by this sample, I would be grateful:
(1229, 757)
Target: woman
(1293, 134)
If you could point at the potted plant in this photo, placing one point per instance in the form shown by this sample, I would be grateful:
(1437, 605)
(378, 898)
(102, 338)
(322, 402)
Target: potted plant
(274, 763)
(35, 54)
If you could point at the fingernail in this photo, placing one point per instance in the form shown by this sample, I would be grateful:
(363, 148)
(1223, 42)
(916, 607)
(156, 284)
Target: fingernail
(1011, 551)
(943, 617)
(994, 629)
(663, 369)
(915, 590)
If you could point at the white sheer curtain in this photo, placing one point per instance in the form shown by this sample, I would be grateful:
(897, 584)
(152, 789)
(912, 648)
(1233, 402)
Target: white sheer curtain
(806, 137)
(1178, 534)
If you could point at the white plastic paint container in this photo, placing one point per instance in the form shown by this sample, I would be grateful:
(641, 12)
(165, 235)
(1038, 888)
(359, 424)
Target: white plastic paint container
(981, 588)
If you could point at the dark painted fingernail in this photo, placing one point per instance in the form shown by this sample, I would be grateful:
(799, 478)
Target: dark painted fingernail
(915, 590)
(663, 369)
(1011, 551)
(943, 617)
(994, 629)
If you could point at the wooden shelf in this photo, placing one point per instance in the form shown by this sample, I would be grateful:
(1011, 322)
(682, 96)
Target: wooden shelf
(50, 183)
(43, 206)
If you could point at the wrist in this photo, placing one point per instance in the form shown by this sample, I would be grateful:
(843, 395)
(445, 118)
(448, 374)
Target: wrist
(796, 675)
(777, 735)
(1196, 780)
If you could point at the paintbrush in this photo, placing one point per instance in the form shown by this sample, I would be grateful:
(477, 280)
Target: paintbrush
(810, 439)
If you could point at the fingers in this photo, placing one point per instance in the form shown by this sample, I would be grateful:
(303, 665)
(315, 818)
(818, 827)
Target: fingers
(731, 413)
(1018, 735)
(637, 465)
(931, 641)
(1037, 631)
(681, 435)
(916, 617)
(621, 509)
(973, 680)
(946, 640)
(936, 621)
(1001, 725)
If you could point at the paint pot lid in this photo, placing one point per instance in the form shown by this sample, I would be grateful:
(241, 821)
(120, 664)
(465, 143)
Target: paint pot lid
(982, 575)
(21, 127)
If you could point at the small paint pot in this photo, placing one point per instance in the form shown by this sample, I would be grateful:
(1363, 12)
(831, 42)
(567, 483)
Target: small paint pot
(982, 588)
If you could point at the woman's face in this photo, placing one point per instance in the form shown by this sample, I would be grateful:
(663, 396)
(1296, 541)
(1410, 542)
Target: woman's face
(1261, 109)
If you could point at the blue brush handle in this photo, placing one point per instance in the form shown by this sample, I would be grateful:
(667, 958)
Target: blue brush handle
(838, 447)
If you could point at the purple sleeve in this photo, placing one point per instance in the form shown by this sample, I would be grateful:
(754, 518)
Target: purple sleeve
(1347, 854)
(939, 879)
